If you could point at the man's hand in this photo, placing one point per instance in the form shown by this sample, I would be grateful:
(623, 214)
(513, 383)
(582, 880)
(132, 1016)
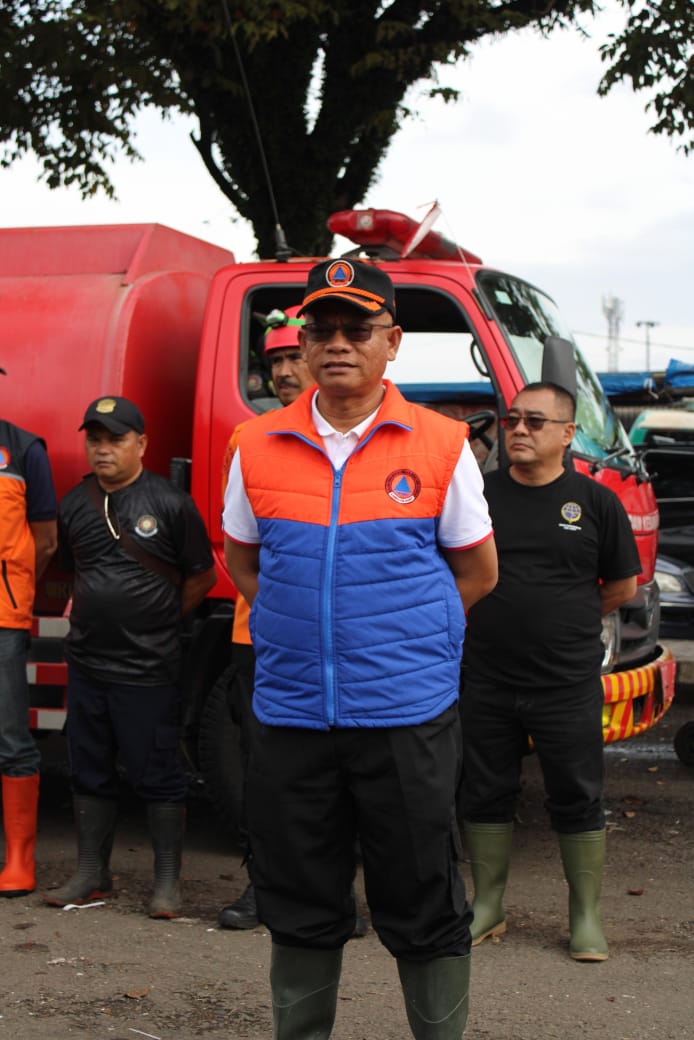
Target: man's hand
(45, 534)
(243, 564)
(195, 587)
(614, 593)
(475, 570)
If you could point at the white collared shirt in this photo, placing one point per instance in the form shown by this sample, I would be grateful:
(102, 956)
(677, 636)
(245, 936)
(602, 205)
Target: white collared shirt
(464, 520)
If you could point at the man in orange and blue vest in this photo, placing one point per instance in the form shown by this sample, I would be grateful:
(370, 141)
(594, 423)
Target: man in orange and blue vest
(28, 539)
(356, 526)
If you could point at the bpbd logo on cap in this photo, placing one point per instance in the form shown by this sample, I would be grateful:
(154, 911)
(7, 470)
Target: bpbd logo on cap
(339, 274)
(105, 406)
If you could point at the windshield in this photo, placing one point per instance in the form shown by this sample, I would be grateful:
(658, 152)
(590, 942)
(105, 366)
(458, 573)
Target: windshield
(527, 317)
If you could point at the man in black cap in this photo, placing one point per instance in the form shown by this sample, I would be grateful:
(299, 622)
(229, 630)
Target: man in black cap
(142, 560)
(356, 526)
(27, 542)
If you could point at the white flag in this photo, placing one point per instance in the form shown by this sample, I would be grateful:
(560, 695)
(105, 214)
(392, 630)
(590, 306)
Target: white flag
(421, 230)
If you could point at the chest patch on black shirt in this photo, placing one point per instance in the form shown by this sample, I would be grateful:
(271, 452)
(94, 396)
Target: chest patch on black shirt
(572, 513)
(146, 525)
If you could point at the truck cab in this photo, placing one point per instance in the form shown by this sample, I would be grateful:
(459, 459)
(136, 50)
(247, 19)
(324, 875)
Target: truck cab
(473, 337)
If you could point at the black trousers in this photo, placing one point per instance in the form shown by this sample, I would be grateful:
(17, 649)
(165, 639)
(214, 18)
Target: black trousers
(566, 729)
(135, 725)
(240, 699)
(311, 794)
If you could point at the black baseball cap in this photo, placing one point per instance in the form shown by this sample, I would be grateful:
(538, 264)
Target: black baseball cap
(356, 282)
(117, 414)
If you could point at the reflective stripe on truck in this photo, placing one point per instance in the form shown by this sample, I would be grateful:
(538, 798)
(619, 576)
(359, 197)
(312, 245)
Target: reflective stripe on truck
(50, 627)
(47, 718)
(638, 697)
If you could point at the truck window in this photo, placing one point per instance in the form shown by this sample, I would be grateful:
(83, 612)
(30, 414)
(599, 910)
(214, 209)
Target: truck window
(254, 371)
(440, 362)
(436, 360)
(526, 317)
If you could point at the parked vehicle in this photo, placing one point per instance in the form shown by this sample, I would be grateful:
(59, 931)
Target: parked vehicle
(664, 438)
(659, 410)
(676, 585)
(172, 322)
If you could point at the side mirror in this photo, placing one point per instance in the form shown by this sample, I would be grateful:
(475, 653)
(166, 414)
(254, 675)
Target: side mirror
(559, 364)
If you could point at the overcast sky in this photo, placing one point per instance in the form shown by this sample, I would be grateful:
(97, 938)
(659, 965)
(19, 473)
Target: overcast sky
(533, 171)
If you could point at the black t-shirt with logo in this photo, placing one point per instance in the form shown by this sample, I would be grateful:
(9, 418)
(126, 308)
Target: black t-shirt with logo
(125, 620)
(540, 626)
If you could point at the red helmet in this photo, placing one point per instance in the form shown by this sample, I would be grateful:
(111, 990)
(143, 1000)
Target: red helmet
(282, 329)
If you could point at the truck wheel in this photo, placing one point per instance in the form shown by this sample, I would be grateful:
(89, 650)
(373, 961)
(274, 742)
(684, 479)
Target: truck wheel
(219, 753)
(684, 743)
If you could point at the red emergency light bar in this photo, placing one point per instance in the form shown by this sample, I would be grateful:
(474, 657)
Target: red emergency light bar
(385, 228)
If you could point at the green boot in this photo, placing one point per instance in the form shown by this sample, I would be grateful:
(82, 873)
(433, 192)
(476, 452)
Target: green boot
(583, 856)
(95, 819)
(166, 825)
(437, 995)
(304, 987)
(489, 848)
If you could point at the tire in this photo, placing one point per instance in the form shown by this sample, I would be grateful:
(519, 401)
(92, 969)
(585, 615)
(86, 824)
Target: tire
(219, 754)
(684, 743)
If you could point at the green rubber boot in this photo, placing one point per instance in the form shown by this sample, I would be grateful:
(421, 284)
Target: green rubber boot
(95, 819)
(489, 849)
(166, 825)
(437, 995)
(583, 856)
(304, 986)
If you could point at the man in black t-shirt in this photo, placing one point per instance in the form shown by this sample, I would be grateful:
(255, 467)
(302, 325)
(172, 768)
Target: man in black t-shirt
(142, 560)
(532, 656)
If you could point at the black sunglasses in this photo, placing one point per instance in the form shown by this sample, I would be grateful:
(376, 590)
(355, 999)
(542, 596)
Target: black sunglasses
(532, 422)
(322, 331)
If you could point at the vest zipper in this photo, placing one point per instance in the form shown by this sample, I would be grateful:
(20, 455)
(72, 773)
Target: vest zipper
(6, 580)
(327, 603)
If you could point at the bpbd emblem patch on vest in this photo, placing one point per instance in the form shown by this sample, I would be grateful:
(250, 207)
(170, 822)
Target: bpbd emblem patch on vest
(403, 486)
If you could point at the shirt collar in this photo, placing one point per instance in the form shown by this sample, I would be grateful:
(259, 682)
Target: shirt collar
(325, 429)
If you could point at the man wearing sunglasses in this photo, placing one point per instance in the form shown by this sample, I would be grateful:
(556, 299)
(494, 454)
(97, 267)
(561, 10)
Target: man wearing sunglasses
(355, 524)
(567, 557)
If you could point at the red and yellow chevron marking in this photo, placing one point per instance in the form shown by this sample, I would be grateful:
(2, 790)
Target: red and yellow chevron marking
(636, 699)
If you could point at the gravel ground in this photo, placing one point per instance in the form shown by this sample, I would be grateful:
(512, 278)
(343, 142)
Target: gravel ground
(109, 972)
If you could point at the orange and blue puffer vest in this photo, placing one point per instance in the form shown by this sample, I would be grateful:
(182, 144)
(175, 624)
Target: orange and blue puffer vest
(357, 621)
(17, 550)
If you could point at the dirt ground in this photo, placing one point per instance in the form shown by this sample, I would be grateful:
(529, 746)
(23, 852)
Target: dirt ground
(109, 972)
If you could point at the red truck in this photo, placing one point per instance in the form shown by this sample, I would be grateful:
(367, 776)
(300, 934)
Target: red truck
(172, 322)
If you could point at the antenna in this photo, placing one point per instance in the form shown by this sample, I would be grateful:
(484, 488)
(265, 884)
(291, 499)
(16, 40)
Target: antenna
(647, 325)
(613, 310)
(282, 250)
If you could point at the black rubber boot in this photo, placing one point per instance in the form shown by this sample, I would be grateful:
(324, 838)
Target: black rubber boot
(95, 819)
(242, 914)
(437, 995)
(489, 848)
(583, 856)
(304, 987)
(166, 825)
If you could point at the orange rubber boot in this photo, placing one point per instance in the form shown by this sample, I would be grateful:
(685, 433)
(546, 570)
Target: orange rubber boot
(20, 799)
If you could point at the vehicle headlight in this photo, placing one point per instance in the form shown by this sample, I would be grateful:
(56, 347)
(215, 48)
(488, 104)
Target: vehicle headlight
(610, 636)
(669, 582)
